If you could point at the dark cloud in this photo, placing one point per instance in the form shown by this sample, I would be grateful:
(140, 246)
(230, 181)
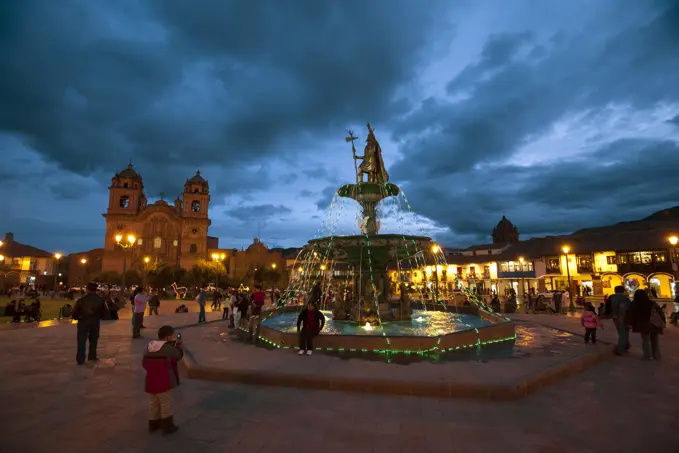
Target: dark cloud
(257, 213)
(188, 86)
(556, 122)
(326, 197)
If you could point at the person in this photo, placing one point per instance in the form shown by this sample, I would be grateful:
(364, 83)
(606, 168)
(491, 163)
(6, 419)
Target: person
(648, 319)
(162, 375)
(591, 322)
(140, 301)
(309, 323)
(602, 310)
(617, 305)
(258, 299)
(154, 304)
(88, 311)
(201, 298)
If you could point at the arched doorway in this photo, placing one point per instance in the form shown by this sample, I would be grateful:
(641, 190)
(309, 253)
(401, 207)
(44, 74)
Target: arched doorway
(609, 281)
(663, 283)
(633, 281)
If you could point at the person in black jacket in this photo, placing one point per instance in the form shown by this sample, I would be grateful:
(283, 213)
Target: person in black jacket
(311, 321)
(88, 311)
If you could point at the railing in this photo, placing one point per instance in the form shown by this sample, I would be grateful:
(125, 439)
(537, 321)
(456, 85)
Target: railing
(645, 269)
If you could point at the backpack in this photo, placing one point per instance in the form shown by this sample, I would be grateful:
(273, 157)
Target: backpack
(607, 306)
(657, 319)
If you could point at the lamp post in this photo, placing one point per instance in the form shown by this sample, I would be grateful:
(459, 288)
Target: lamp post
(83, 261)
(571, 306)
(129, 243)
(146, 270)
(435, 249)
(523, 284)
(673, 240)
(219, 258)
(57, 257)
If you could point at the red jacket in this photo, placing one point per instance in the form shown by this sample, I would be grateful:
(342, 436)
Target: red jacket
(590, 320)
(160, 362)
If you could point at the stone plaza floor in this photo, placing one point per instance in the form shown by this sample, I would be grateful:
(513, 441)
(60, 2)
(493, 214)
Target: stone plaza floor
(50, 404)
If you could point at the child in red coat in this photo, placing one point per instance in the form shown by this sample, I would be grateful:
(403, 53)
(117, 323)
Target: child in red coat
(591, 322)
(162, 375)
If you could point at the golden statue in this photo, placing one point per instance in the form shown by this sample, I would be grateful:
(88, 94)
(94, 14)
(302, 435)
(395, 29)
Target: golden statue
(372, 164)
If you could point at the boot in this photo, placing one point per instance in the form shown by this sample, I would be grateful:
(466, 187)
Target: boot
(168, 426)
(154, 425)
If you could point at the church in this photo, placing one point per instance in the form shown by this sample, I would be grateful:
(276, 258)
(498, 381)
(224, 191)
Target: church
(175, 234)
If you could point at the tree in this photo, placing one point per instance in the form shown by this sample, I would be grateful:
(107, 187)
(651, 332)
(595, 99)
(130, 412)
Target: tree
(205, 271)
(163, 275)
(133, 277)
(108, 277)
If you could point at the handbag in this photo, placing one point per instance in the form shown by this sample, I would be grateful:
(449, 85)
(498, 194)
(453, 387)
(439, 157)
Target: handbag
(657, 319)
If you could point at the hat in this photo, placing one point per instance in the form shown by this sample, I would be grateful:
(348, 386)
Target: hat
(91, 286)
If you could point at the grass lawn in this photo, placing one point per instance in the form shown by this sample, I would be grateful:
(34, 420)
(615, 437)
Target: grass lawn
(50, 307)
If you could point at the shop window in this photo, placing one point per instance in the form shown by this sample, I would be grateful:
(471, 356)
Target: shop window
(623, 259)
(660, 258)
(611, 259)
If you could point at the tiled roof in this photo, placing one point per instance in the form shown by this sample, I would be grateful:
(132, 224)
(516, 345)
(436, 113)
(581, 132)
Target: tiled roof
(15, 250)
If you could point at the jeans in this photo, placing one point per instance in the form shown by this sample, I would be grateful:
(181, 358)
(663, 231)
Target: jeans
(138, 322)
(153, 310)
(590, 331)
(306, 337)
(201, 314)
(623, 335)
(650, 346)
(88, 329)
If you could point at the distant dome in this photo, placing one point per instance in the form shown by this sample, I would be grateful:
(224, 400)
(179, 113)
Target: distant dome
(505, 232)
(129, 173)
(197, 178)
(256, 246)
(161, 203)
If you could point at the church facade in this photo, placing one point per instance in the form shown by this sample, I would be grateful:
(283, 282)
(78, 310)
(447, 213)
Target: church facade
(175, 234)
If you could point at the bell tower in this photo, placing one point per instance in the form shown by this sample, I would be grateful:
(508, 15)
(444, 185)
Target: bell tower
(126, 193)
(196, 197)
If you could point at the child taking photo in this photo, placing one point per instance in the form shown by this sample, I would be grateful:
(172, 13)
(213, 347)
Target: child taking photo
(162, 375)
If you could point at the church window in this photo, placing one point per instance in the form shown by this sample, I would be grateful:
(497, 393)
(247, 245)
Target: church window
(195, 190)
(193, 248)
(157, 242)
(120, 227)
(194, 231)
(140, 241)
(135, 186)
(175, 242)
(195, 206)
(125, 185)
(124, 201)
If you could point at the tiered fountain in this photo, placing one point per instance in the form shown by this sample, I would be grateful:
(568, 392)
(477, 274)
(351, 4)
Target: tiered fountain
(366, 320)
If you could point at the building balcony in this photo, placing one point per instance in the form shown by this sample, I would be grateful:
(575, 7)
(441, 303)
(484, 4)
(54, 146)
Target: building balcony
(585, 269)
(553, 270)
(645, 269)
(519, 274)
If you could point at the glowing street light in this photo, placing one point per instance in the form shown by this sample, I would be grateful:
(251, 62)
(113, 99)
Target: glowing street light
(83, 261)
(131, 240)
(571, 306)
(57, 257)
(322, 267)
(147, 259)
(435, 248)
(273, 266)
(2, 258)
(673, 240)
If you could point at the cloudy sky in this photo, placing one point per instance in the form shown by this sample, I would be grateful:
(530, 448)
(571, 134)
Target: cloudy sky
(561, 115)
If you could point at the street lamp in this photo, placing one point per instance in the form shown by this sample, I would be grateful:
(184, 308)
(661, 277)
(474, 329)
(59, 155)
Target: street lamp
(571, 306)
(131, 240)
(57, 257)
(218, 257)
(673, 240)
(83, 261)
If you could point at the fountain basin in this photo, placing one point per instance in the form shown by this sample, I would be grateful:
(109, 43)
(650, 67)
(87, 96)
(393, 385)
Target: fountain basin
(428, 331)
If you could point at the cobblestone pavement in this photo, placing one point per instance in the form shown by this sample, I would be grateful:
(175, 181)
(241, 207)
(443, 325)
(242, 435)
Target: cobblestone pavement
(50, 404)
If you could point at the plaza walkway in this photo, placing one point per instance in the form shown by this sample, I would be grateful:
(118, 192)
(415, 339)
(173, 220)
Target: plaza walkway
(50, 404)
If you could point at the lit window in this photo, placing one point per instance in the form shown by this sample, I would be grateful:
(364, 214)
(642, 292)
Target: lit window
(175, 242)
(157, 242)
(140, 241)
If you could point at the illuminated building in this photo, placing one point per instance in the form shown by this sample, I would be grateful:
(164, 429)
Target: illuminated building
(175, 234)
(25, 264)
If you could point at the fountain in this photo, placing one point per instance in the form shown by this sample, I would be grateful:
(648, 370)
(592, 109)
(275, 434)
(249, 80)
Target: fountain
(362, 317)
